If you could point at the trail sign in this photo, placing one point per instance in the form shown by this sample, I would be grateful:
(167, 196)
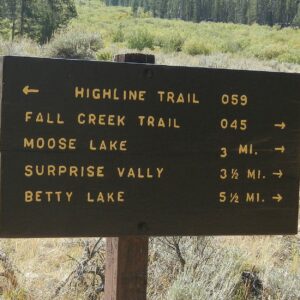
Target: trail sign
(102, 148)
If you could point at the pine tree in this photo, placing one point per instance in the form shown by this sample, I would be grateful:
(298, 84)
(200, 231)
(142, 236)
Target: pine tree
(238, 11)
(38, 19)
(135, 6)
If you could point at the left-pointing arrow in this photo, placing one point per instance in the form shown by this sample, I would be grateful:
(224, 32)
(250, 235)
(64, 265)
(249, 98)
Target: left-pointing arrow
(27, 90)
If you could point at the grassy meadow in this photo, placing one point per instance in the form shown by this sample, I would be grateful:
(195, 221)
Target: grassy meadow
(120, 29)
(180, 268)
(100, 32)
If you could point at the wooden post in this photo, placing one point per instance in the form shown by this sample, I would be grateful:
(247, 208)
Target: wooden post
(127, 257)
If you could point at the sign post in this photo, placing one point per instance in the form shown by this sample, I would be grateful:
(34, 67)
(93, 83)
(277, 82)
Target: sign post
(127, 257)
(126, 268)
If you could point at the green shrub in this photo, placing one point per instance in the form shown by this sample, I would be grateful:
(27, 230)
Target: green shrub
(230, 46)
(173, 43)
(5, 28)
(118, 35)
(141, 39)
(290, 57)
(196, 47)
(20, 46)
(74, 44)
(271, 51)
(104, 55)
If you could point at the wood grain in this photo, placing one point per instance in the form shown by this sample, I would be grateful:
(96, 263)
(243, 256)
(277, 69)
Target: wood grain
(126, 268)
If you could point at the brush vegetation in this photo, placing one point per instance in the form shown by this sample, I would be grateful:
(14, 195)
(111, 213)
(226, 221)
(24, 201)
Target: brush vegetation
(120, 28)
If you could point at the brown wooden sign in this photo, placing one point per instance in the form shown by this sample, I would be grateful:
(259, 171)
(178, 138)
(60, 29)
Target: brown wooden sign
(110, 149)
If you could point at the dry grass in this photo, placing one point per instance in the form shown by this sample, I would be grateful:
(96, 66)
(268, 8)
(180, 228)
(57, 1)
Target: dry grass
(42, 263)
(212, 268)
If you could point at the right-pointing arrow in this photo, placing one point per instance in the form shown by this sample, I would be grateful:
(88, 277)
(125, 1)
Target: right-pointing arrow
(279, 173)
(280, 149)
(281, 125)
(277, 198)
